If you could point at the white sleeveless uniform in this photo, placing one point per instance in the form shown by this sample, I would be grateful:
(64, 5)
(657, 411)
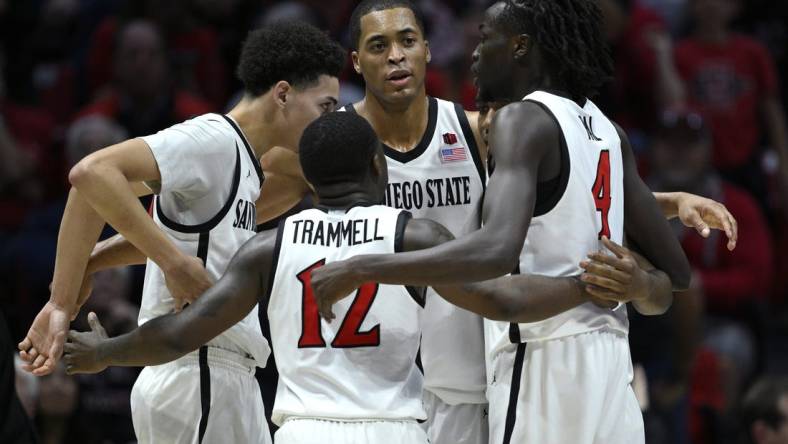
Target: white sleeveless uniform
(443, 179)
(353, 380)
(567, 379)
(210, 182)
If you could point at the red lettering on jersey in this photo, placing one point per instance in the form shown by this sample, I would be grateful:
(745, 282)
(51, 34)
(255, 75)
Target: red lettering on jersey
(348, 334)
(601, 190)
(311, 336)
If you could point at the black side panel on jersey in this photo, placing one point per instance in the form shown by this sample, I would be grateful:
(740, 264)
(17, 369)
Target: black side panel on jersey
(467, 132)
(209, 225)
(514, 394)
(205, 392)
(266, 297)
(514, 328)
(548, 193)
(419, 294)
(255, 160)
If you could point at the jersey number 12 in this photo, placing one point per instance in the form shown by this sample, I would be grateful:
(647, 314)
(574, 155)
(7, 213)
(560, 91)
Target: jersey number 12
(348, 335)
(601, 190)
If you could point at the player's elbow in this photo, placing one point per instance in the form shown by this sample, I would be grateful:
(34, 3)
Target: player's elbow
(681, 276)
(502, 258)
(84, 172)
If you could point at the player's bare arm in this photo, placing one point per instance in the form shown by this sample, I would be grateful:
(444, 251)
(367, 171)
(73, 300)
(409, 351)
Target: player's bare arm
(694, 211)
(487, 253)
(627, 277)
(518, 298)
(649, 230)
(700, 213)
(171, 336)
(105, 187)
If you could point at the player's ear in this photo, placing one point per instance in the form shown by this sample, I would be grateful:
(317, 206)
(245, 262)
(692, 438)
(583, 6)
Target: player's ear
(280, 93)
(522, 46)
(356, 65)
(429, 54)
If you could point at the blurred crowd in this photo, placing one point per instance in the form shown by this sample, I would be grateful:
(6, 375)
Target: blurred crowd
(699, 87)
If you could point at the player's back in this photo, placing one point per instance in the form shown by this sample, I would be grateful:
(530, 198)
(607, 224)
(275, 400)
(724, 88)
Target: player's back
(362, 364)
(588, 203)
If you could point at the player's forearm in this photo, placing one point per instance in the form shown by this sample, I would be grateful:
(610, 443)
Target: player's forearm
(79, 230)
(473, 258)
(113, 198)
(518, 298)
(155, 342)
(114, 252)
(660, 295)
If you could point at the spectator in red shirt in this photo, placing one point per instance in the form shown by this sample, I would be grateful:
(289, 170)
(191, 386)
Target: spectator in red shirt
(734, 284)
(731, 79)
(143, 99)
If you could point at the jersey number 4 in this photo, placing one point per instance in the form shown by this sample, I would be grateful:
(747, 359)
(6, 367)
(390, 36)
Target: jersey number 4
(601, 190)
(348, 335)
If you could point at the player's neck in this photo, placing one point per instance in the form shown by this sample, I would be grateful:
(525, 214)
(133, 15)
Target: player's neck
(399, 127)
(260, 134)
(342, 198)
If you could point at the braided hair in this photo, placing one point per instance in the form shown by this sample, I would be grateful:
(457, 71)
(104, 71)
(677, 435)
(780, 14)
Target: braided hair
(570, 36)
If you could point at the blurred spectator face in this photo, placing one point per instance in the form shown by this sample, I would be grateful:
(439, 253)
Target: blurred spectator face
(392, 54)
(615, 14)
(681, 150)
(90, 134)
(778, 434)
(140, 60)
(714, 12)
(765, 411)
(493, 63)
(306, 104)
(57, 394)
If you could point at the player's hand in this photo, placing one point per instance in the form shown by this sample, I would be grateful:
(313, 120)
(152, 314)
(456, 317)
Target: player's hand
(43, 346)
(82, 348)
(331, 283)
(187, 280)
(705, 215)
(616, 278)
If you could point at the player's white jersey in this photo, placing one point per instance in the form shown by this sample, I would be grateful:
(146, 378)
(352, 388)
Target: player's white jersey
(362, 364)
(443, 179)
(570, 225)
(210, 182)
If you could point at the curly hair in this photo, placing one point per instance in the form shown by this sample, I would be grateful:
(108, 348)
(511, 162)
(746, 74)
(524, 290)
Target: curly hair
(569, 33)
(292, 51)
(368, 6)
(336, 148)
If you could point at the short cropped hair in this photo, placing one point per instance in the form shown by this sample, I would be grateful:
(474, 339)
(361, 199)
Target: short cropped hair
(368, 6)
(337, 148)
(292, 51)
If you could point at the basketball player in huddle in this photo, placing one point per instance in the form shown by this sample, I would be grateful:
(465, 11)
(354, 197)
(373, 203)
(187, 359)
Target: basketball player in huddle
(434, 153)
(562, 173)
(354, 381)
(206, 177)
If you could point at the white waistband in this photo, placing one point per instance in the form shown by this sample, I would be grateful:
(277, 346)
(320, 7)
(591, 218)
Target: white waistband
(219, 357)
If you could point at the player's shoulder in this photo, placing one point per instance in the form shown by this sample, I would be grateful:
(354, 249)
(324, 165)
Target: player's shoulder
(209, 129)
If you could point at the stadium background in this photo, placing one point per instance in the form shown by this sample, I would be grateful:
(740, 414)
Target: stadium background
(75, 76)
